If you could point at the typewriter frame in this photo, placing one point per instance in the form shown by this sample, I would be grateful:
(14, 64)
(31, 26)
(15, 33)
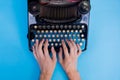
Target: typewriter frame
(85, 18)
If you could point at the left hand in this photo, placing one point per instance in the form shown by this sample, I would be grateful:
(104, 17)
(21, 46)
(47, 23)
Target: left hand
(46, 63)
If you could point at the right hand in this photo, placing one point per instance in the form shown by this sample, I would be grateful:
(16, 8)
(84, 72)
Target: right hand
(69, 63)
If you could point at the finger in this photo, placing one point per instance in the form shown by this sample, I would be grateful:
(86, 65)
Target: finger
(34, 52)
(71, 47)
(53, 54)
(79, 50)
(41, 43)
(74, 45)
(45, 49)
(40, 51)
(60, 56)
(65, 49)
(36, 45)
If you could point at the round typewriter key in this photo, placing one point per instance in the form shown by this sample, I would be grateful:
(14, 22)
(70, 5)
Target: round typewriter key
(33, 40)
(46, 31)
(53, 27)
(65, 26)
(54, 40)
(74, 39)
(81, 44)
(60, 44)
(53, 35)
(57, 35)
(49, 40)
(58, 40)
(80, 31)
(83, 39)
(45, 36)
(65, 35)
(63, 31)
(42, 31)
(51, 31)
(82, 35)
(38, 31)
(56, 44)
(83, 26)
(74, 26)
(52, 44)
(59, 31)
(48, 26)
(72, 30)
(49, 35)
(74, 35)
(70, 35)
(35, 27)
(61, 35)
(61, 26)
(36, 36)
(78, 39)
(78, 26)
(70, 26)
(68, 31)
(40, 35)
(57, 26)
(55, 31)
(78, 35)
(44, 27)
(76, 31)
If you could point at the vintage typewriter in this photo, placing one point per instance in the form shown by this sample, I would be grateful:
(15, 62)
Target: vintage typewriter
(58, 20)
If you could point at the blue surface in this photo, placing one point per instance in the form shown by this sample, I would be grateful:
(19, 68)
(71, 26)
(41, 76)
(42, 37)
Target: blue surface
(101, 61)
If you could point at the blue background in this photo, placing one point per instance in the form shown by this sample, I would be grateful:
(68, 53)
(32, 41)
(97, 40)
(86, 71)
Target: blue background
(101, 61)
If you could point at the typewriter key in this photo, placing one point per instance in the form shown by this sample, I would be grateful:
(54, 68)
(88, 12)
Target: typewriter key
(49, 40)
(42, 31)
(63, 31)
(38, 31)
(49, 35)
(55, 31)
(65, 35)
(82, 35)
(80, 31)
(78, 39)
(51, 31)
(56, 44)
(83, 39)
(46, 31)
(52, 44)
(59, 31)
(33, 40)
(35, 27)
(36, 36)
(83, 26)
(57, 35)
(54, 40)
(58, 40)
(45, 36)
(53, 35)
(68, 31)
(40, 35)
(81, 44)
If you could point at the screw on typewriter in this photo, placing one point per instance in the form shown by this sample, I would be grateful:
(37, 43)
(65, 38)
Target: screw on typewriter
(58, 20)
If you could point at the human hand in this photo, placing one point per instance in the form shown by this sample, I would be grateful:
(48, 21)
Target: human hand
(46, 63)
(69, 63)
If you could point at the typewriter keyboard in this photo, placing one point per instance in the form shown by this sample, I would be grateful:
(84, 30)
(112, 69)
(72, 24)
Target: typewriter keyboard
(56, 33)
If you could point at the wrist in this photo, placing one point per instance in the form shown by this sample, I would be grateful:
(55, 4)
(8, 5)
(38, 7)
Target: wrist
(73, 75)
(45, 76)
